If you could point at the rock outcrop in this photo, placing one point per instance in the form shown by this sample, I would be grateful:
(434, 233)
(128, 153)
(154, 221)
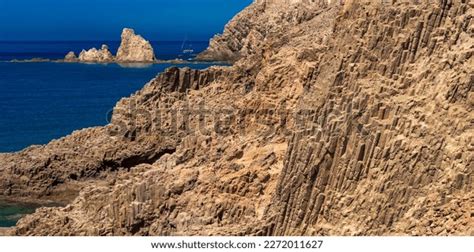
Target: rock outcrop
(59, 167)
(71, 57)
(103, 55)
(258, 26)
(336, 118)
(134, 48)
(5, 231)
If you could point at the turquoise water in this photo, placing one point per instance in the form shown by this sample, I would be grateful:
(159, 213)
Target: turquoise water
(10, 213)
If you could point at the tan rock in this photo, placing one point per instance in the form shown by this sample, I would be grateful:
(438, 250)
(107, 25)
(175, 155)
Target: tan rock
(328, 123)
(134, 48)
(102, 55)
(6, 231)
(71, 57)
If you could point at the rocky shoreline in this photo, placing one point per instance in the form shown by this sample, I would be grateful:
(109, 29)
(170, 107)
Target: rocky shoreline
(6, 231)
(336, 118)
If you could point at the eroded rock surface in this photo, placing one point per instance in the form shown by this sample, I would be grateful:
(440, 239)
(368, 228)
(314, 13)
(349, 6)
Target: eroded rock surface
(71, 57)
(103, 55)
(134, 48)
(340, 119)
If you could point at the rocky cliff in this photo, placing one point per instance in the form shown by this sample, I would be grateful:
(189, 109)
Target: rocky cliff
(134, 48)
(337, 118)
(258, 24)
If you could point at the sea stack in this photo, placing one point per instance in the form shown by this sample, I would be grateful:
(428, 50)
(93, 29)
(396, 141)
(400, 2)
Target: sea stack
(134, 48)
(93, 55)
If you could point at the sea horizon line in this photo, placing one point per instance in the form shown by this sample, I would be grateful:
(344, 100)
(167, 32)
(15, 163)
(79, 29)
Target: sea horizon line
(69, 41)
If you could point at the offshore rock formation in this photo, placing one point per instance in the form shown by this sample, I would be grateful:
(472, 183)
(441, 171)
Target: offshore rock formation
(103, 55)
(71, 57)
(134, 48)
(349, 118)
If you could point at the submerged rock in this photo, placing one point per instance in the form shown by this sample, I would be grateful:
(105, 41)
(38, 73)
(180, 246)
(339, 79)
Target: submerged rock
(33, 60)
(134, 48)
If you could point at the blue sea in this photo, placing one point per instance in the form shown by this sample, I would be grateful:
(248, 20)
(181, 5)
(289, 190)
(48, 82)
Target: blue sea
(164, 50)
(47, 100)
(43, 101)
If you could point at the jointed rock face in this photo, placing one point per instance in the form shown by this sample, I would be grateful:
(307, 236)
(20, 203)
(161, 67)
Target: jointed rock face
(340, 119)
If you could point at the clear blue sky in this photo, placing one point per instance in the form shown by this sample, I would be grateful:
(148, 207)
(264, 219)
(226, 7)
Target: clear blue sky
(104, 19)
